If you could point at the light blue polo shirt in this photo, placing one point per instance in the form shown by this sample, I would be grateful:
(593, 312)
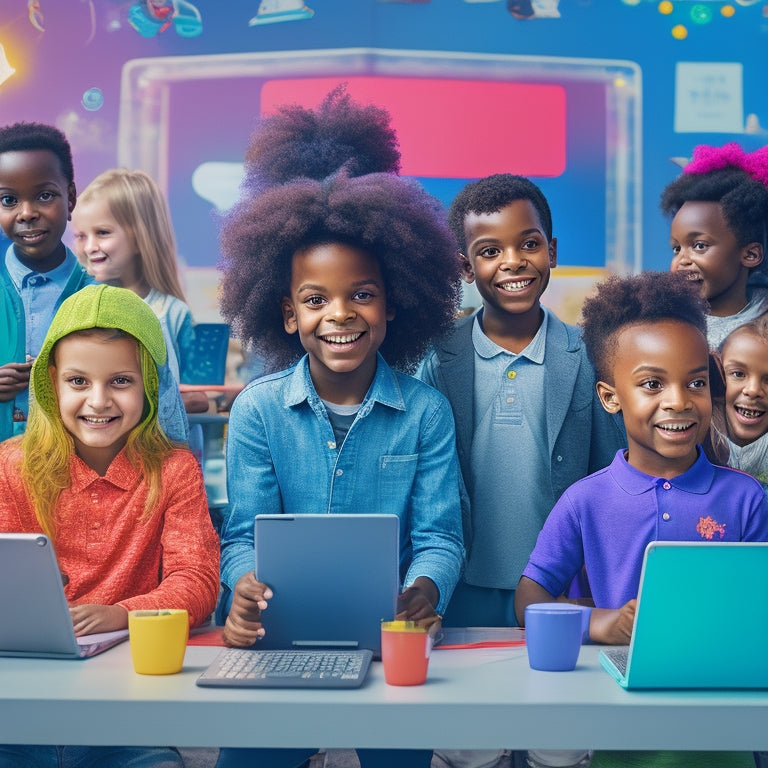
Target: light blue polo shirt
(510, 459)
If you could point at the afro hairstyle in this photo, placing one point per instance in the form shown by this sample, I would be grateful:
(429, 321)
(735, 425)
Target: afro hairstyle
(743, 201)
(490, 195)
(26, 137)
(391, 218)
(649, 297)
(297, 142)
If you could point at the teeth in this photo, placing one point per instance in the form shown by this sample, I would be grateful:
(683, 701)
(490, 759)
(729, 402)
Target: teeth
(749, 413)
(97, 420)
(516, 286)
(342, 339)
(674, 427)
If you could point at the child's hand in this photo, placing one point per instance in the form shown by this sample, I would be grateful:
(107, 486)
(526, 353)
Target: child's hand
(417, 602)
(243, 626)
(14, 378)
(613, 627)
(89, 618)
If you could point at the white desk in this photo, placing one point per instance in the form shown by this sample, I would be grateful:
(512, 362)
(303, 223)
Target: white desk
(472, 699)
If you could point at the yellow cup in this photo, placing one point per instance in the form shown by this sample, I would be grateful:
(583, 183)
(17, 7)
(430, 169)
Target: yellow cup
(158, 640)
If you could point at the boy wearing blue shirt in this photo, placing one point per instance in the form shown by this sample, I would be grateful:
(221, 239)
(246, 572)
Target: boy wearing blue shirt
(37, 271)
(646, 336)
(522, 390)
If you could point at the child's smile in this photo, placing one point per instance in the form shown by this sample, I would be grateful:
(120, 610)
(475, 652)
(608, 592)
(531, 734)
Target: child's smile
(706, 251)
(509, 259)
(745, 369)
(338, 307)
(100, 390)
(661, 386)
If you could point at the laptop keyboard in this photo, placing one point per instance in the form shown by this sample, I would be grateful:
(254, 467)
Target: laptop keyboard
(287, 669)
(618, 656)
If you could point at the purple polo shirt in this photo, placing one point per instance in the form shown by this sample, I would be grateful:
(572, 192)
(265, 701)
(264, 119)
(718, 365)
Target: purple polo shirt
(606, 520)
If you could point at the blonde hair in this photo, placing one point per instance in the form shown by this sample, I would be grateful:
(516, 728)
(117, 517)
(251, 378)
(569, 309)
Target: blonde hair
(140, 207)
(48, 447)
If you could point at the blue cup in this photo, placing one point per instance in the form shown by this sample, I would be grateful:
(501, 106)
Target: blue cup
(553, 635)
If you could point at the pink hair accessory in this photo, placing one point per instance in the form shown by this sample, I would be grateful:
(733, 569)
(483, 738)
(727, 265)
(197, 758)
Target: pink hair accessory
(731, 155)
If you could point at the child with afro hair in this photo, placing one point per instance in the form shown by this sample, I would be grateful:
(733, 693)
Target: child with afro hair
(645, 335)
(719, 231)
(345, 274)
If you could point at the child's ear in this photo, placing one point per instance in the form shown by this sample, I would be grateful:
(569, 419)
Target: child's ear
(71, 200)
(289, 316)
(608, 398)
(553, 253)
(752, 255)
(467, 272)
(390, 313)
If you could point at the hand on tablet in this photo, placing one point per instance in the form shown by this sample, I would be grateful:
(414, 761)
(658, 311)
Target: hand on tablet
(249, 598)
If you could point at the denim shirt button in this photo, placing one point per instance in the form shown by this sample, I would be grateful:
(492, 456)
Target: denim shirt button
(332, 445)
(339, 472)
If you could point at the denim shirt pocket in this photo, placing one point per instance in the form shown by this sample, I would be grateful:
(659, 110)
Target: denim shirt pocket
(396, 476)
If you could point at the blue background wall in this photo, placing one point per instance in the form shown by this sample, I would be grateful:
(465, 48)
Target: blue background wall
(86, 42)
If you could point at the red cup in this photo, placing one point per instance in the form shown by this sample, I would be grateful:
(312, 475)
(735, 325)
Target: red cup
(405, 649)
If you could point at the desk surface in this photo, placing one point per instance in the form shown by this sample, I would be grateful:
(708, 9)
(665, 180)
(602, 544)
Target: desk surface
(472, 699)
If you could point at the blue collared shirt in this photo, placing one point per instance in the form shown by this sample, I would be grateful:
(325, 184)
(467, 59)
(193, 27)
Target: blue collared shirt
(399, 457)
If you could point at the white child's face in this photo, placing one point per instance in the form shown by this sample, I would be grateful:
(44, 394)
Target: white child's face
(338, 306)
(745, 369)
(100, 390)
(661, 387)
(105, 248)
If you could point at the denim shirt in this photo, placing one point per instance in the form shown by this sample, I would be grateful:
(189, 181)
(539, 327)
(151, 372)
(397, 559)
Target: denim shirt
(399, 457)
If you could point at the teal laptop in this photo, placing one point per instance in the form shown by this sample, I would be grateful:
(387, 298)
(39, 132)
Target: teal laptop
(701, 621)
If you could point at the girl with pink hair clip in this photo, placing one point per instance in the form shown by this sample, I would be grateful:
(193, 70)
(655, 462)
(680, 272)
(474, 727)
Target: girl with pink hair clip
(719, 211)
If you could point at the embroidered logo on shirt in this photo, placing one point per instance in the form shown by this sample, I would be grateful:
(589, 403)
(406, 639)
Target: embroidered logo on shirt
(708, 527)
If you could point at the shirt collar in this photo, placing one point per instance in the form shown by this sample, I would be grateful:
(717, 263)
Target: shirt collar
(19, 271)
(698, 479)
(489, 349)
(384, 388)
(120, 473)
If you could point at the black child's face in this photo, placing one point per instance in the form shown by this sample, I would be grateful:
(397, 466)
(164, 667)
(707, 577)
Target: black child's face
(35, 204)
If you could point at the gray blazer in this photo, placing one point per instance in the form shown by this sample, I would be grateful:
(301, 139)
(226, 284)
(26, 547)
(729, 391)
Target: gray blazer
(582, 436)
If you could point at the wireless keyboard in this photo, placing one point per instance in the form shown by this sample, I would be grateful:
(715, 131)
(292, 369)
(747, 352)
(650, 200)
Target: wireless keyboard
(236, 667)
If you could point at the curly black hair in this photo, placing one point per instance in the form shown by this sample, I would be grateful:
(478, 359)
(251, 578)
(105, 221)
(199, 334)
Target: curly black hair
(23, 137)
(297, 142)
(391, 218)
(649, 297)
(491, 194)
(743, 200)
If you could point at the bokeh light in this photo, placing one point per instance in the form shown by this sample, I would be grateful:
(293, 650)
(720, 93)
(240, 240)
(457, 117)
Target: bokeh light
(665, 7)
(727, 11)
(93, 99)
(679, 32)
(701, 14)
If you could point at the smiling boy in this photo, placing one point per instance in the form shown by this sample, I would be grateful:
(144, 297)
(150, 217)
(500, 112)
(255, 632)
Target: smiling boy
(528, 423)
(37, 196)
(646, 337)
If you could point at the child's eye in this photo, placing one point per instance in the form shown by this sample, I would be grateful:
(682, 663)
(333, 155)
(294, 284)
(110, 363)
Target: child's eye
(363, 296)
(700, 246)
(675, 249)
(7, 201)
(77, 381)
(530, 245)
(699, 384)
(122, 381)
(735, 374)
(489, 252)
(46, 196)
(314, 301)
(652, 384)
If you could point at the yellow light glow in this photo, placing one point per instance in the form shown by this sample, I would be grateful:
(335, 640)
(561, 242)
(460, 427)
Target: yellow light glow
(728, 11)
(6, 70)
(679, 32)
(665, 7)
